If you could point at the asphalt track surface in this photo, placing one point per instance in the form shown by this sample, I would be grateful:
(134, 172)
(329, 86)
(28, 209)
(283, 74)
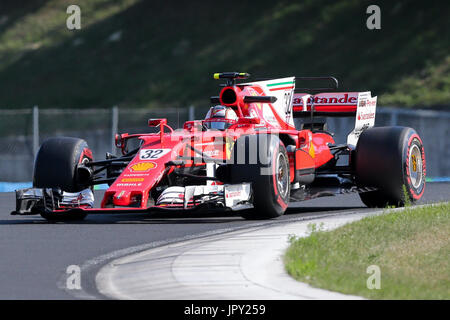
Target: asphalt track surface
(35, 254)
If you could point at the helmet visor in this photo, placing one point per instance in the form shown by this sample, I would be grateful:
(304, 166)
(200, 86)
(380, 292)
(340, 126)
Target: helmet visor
(217, 125)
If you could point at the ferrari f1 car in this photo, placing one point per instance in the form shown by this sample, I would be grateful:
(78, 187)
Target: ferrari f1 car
(247, 155)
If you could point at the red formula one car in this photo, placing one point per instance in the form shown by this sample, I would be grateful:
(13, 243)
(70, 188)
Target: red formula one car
(247, 155)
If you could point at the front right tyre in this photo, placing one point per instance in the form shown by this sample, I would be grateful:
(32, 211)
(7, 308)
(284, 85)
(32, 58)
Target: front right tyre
(262, 160)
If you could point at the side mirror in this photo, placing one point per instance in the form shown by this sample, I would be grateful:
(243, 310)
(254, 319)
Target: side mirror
(157, 122)
(121, 142)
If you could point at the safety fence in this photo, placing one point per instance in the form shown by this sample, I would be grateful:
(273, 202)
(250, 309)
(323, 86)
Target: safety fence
(22, 131)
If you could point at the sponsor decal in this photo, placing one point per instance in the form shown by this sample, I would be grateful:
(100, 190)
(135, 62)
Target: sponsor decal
(367, 103)
(365, 118)
(236, 193)
(129, 184)
(136, 175)
(152, 154)
(142, 166)
(132, 180)
(328, 99)
(233, 194)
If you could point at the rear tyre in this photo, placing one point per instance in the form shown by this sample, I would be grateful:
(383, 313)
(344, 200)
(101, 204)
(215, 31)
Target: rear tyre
(55, 167)
(269, 175)
(391, 159)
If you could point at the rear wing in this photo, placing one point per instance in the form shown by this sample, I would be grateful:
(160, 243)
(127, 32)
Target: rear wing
(337, 104)
(322, 100)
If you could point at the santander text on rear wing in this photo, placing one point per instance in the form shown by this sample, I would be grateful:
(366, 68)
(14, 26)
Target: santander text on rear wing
(327, 104)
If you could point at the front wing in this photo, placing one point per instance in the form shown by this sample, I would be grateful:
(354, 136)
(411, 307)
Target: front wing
(32, 201)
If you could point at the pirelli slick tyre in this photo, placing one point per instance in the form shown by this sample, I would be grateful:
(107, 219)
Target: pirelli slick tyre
(391, 159)
(263, 161)
(55, 167)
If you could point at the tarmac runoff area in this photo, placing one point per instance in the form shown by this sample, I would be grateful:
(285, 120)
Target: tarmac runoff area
(239, 265)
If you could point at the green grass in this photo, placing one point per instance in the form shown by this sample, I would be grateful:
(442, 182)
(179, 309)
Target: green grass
(168, 50)
(411, 248)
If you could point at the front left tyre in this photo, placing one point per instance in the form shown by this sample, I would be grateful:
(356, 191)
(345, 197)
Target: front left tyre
(55, 167)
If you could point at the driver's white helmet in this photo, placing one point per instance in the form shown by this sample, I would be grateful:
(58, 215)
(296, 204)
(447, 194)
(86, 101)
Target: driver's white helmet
(220, 117)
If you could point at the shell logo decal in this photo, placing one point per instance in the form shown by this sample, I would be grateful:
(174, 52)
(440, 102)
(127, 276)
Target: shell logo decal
(142, 166)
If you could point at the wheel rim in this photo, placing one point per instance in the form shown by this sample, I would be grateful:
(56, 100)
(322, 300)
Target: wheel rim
(282, 175)
(415, 166)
